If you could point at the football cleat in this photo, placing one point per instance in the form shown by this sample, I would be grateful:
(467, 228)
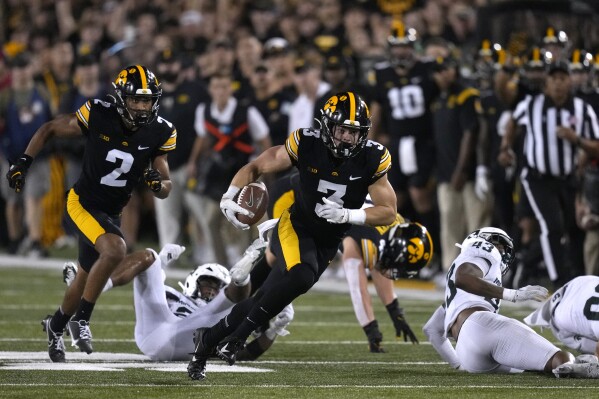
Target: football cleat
(69, 272)
(227, 349)
(196, 369)
(55, 342)
(81, 335)
(170, 253)
(577, 370)
(254, 253)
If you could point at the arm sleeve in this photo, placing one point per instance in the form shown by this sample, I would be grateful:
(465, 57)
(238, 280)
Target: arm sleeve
(434, 331)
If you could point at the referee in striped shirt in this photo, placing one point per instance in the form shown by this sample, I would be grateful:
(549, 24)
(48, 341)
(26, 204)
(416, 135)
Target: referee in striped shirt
(558, 128)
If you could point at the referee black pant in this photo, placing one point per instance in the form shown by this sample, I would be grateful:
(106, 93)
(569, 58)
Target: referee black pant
(553, 202)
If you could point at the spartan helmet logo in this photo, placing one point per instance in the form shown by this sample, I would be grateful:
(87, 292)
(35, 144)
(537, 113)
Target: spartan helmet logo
(416, 251)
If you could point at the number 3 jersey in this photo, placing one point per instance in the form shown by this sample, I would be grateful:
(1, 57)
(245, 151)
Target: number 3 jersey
(115, 157)
(344, 181)
(486, 257)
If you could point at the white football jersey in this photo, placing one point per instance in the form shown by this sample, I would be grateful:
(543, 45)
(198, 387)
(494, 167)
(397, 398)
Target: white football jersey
(575, 311)
(181, 305)
(485, 256)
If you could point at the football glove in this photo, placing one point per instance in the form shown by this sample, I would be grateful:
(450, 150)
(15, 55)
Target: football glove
(279, 322)
(230, 208)
(335, 213)
(17, 172)
(375, 337)
(530, 292)
(153, 179)
(402, 327)
(481, 183)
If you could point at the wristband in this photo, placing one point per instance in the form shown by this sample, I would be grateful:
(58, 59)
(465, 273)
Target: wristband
(509, 295)
(28, 160)
(356, 216)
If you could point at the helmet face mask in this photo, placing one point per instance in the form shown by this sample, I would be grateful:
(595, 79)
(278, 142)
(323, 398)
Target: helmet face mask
(408, 250)
(349, 111)
(132, 84)
(206, 281)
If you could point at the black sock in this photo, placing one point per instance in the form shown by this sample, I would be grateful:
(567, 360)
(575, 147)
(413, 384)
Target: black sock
(372, 332)
(393, 308)
(59, 320)
(85, 310)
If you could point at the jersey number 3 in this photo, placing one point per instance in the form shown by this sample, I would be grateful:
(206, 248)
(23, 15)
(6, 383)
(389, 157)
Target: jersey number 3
(112, 179)
(337, 189)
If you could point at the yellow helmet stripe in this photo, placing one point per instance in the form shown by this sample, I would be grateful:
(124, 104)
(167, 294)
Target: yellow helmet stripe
(144, 79)
(352, 106)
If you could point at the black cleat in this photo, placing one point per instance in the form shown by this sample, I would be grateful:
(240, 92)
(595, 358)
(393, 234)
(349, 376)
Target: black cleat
(81, 335)
(196, 369)
(55, 342)
(227, 349)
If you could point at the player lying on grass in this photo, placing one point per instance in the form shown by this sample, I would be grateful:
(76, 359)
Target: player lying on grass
(487, 342)
(167, 318)
(572, 314)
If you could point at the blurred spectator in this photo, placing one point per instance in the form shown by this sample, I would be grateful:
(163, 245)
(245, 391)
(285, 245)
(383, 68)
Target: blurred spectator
(178, 103)
(280, 60)
(229, 133)
(272, 102)
(248, 54)
(310, 86)
(456, 129)
(23, 109)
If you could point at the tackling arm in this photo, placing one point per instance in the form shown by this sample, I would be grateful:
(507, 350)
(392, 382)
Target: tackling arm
(435, 332)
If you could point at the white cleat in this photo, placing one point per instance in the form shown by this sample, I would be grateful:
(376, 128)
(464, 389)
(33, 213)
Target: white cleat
(170, 253)
(252, 255)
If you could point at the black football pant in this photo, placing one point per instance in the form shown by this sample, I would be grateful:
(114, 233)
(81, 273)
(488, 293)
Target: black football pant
(552, 201)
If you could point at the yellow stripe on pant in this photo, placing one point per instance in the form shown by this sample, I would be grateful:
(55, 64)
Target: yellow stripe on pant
(88, 225)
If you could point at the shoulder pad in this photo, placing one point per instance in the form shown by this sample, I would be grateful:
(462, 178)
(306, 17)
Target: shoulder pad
(482, 249)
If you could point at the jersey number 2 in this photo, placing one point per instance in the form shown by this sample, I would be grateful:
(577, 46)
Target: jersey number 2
(112, 179)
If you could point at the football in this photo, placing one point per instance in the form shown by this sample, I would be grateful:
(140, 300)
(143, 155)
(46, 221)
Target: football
(254, 198)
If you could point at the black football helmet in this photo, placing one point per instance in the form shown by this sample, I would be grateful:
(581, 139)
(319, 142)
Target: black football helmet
(137, 81)
(408, 249)
(345, 109)
(400, 45)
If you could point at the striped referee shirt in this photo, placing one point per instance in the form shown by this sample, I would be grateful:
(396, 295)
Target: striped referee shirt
(543, 150)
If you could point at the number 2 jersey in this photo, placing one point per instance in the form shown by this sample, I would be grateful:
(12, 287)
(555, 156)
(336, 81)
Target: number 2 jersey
(115, 157)
(344, 181)
(484, 255)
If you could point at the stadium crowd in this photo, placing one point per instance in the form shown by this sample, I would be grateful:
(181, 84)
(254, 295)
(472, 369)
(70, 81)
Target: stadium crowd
(450, 84)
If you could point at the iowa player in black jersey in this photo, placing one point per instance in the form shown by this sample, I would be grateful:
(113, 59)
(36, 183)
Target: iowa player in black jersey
(337, 168)
(404, 89)
(126, 141)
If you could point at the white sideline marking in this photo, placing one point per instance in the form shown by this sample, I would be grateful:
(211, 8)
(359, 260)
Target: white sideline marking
(107, 362)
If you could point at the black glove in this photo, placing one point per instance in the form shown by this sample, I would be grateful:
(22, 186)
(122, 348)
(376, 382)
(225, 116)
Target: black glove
(402, 326)
(153, 179)
(17, 172)
(375, 337)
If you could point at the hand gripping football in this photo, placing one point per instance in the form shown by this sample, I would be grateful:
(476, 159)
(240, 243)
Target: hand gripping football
(254, 198)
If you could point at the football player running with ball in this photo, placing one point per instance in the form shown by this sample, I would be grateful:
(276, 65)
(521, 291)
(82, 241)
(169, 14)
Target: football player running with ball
(126, 142)
(337, 168)
(488, 342)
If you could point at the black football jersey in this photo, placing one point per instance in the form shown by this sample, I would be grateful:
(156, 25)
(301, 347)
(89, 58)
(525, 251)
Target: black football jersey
(344, 181)
(405, 100)
(115, 158)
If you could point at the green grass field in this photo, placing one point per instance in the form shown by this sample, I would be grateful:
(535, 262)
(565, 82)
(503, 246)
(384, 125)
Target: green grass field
(325, 356)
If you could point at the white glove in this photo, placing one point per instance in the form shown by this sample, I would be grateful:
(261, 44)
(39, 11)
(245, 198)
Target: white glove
(278, 323)
(481, 183)
(335, 213)
(530, 292)
(230, 208)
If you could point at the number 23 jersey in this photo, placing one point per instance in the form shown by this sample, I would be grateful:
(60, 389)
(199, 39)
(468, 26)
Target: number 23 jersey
(488, 259)
(344, 181)
(115, 157)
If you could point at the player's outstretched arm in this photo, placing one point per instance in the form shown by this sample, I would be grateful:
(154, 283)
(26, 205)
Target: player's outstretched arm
(61, 126)
(274, 159)
(385, 203)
